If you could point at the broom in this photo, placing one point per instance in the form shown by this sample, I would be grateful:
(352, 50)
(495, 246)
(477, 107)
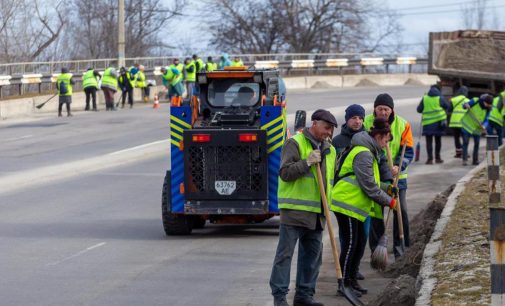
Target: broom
(418, 144)
(379, 259)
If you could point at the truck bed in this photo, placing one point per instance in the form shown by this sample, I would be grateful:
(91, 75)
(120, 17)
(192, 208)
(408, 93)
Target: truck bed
(467, 53)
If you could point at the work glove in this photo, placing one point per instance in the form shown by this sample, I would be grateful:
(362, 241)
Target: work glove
(392, 191)
(314, 157)
(392, 204)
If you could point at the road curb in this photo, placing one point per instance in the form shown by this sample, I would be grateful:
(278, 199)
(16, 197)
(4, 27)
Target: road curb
(426, 280)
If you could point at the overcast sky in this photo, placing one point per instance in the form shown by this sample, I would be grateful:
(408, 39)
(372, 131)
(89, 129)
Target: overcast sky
(417, 18)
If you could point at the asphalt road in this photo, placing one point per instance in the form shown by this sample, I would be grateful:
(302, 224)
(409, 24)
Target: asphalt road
(80, 219)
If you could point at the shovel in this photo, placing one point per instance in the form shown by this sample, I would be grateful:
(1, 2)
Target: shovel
(42, 104)
(347, 291)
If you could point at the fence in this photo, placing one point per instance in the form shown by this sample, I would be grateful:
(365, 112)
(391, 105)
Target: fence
(39, 77)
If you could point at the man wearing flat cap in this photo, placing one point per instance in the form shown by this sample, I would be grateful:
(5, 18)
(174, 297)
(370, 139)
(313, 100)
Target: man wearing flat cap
(402, 134)
(301, 211)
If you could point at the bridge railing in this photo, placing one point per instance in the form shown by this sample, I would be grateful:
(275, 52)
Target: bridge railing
(39, 77)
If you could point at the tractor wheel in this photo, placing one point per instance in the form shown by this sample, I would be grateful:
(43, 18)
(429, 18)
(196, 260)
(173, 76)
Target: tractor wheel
(199, 222)
(173, 224)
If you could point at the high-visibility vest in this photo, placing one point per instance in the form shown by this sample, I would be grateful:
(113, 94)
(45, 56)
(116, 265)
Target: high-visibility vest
(237, 64)
(128, 77)
(347, 197)
(64, 78)
(200, 65)
(432, 111)
(457, 111)
(496, 115)
(210, 66)
(303, 193)
(89, 79)
(108, 80)
(179, 67)
(140, 79)
(472, 125)
(171, 77)
(397, 128)
(190, 76)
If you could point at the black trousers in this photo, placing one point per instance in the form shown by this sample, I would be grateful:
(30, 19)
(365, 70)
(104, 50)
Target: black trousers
(352, 244)
(90, 95)
(377, 228)
(429, 146)
(457, 138)
(129, 93)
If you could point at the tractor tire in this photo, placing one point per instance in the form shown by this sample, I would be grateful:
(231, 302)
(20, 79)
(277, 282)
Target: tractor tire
(173, 224)
(199, 222)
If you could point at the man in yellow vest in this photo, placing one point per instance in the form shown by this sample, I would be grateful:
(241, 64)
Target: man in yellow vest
(140, 82)
(199, 64)
(434, 121)
(237, 62)
(109, 87)
(125, 83)
(474, 122)
(495, 126)
(457, 112)
(190, 77)
(402, 133)
(210, 65)
(90, 85)
(301, 214)
(64, 86)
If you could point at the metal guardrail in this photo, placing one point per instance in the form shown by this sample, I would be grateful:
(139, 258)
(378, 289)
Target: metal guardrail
(44, 78)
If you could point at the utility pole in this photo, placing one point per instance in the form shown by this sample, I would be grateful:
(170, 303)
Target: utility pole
(121, 38)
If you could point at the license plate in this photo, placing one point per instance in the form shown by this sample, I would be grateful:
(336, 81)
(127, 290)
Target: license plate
(225, 187)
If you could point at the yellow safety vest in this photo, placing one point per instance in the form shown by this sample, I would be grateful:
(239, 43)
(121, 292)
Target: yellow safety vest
(64, 78)
(89, 79)
(432, 111)
(457, 111)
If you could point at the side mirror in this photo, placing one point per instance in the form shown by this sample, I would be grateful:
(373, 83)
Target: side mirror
(300, 120)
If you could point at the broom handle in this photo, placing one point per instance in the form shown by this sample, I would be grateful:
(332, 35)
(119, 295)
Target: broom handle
(399, 210)
(328, 222)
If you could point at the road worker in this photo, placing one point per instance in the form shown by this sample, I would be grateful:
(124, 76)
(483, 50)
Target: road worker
(474, 123)
(457, 112)
(64, 86)
(495, 126)
(357, 188)
(301, 213)
(190, 79)
(199, 64)
(126, 84)
(434, 121)
(90, 85)
(109, 87)
(402, 133)
(224, 61)
(237, 62)
(210, 65)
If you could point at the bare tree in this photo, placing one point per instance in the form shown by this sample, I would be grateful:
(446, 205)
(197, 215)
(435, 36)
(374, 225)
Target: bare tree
(477, 14)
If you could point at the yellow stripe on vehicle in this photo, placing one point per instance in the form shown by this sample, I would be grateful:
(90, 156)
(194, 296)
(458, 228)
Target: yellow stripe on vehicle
(175, 143)
(273, 139)
(176, 127)
(184, 124)
(175, 135)
(266, 126)
(275, 129)
(275, 147)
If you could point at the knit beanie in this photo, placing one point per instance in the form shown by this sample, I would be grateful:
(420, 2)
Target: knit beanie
(354, 110)
(384, 99)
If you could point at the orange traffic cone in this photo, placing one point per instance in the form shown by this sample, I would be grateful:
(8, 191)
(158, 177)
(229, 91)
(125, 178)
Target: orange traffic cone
(156, 102)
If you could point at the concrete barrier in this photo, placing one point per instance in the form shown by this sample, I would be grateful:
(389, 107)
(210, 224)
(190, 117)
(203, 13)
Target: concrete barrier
(26, 106)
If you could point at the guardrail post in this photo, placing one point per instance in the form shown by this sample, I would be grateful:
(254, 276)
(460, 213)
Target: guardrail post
(497, 223)
(410, 68)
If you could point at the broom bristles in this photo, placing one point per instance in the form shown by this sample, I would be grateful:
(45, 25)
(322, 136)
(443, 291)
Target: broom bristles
(380, 255)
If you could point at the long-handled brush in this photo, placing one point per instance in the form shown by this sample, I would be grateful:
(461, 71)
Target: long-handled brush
(418, 144)
(379, 259)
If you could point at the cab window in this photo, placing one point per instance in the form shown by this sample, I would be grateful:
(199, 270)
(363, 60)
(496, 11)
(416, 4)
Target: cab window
(233, 93)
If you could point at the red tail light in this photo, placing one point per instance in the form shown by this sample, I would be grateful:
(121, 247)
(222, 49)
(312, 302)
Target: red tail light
(247, 137)
(201, 138)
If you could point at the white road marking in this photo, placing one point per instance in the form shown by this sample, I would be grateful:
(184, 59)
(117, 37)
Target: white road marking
(19, 138)
(139, 147)
(77, 254)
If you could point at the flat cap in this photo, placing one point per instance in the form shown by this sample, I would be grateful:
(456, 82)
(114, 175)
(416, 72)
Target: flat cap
(322, 114)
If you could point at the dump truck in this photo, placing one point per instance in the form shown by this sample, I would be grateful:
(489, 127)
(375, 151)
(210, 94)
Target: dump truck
(225, 149)
(472, 58)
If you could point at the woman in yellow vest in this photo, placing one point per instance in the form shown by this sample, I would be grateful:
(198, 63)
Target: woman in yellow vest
(358, 193)
(434, 121)
(64, 86)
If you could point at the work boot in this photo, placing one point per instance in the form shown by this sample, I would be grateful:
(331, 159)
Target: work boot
(95, 109)
(465, 163)
(305, 301)
(356, 286)
(122, 105)
(280, 301)
(69, 115)
(439, 161)
(59, 115)
(360, 276)
(475, 162)
(459, 153)
(429, 161)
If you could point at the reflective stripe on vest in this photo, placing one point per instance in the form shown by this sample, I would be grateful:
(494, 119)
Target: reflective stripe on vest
(140, 79)
(128, 78)
(432, 111)
(397, 129)
(458, 111)
(65, 78)
(496, 115)
(303, 193)
(108, 80)
(470, 124)
(89, 79)
(190, 76)
(347, 196)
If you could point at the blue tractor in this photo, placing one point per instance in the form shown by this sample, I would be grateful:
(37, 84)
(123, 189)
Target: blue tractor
(225, 150)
